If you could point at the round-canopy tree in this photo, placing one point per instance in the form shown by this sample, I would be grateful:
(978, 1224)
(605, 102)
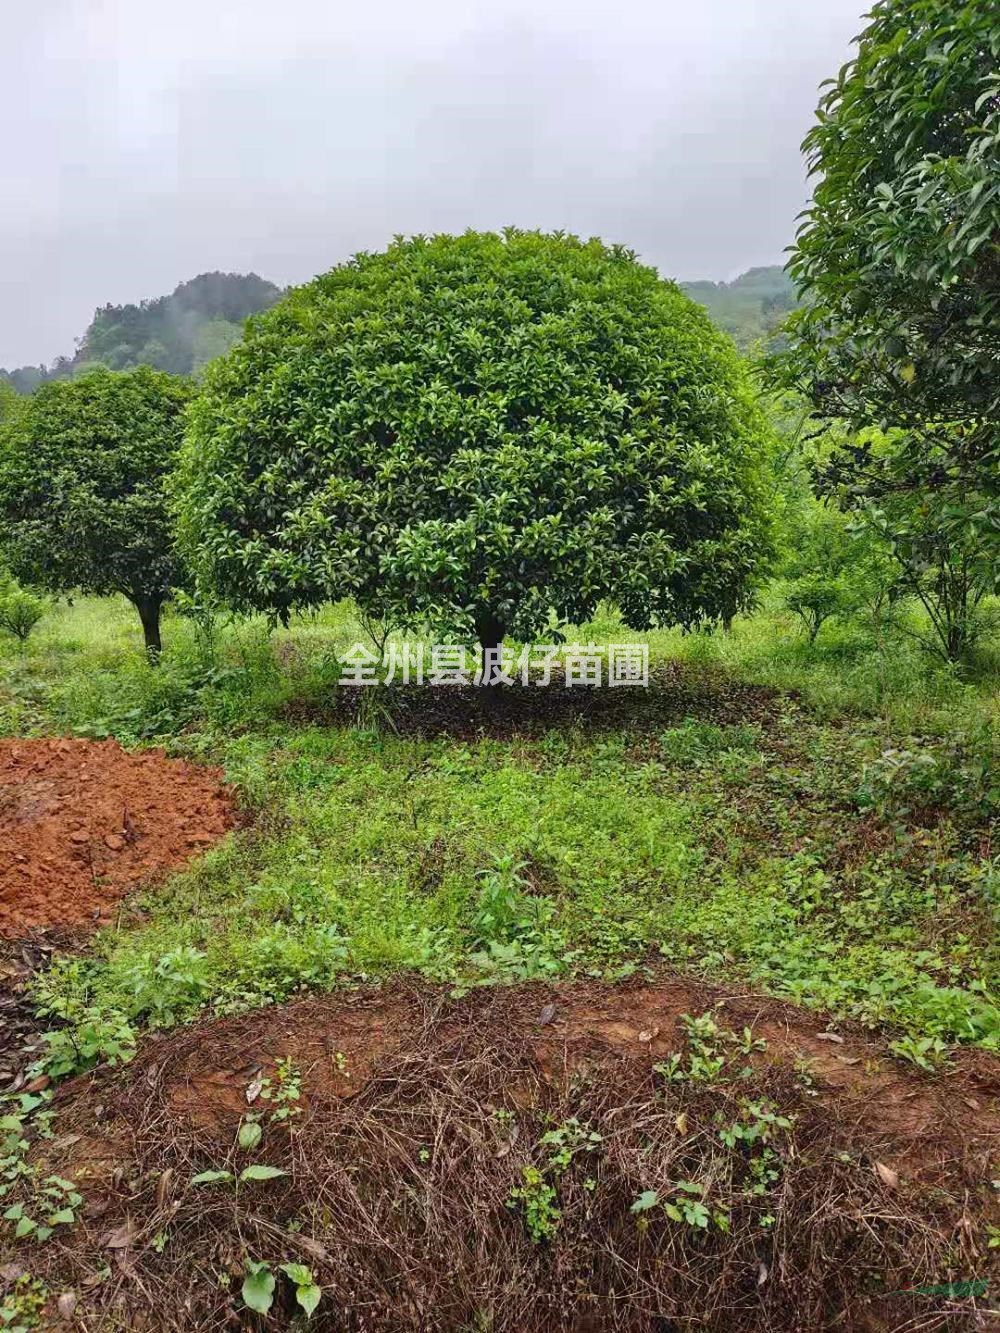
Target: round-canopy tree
(479, 432)
(83, 470)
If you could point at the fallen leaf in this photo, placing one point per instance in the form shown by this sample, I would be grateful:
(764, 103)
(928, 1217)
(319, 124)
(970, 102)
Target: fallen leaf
(119, 1239)
(649, 1036)
(163, 1186)
(971, 1103)
(253, 1091)
(66, 1304)
(849, 1059)
(547, 1015)
(762, 1273)
(38, 1084)
(313, 1247)
(681, 1123)
(886, 1174)
(11, 1272)
(830, 1036)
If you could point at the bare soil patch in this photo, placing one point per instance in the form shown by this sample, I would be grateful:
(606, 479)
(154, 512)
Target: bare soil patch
(83, 822)
(419, 1113)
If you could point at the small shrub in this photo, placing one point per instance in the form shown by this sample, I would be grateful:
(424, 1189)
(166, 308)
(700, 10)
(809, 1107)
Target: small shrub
(816, 598)
(20, 610)
(958, 775)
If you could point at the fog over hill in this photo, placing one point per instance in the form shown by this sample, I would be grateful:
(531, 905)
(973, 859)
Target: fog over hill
(181, 332)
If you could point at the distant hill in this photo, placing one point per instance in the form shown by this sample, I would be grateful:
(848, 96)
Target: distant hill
(750, 307)
(198, 321)
(202, 318)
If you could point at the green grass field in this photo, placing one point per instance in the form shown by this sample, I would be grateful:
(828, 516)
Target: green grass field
(824, 838)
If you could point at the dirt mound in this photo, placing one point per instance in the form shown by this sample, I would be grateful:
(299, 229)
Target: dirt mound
(531, 1159)
(83, 822)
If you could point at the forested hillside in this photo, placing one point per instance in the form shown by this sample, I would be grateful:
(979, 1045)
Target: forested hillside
(202, 318)
(199, 320)
(750, 307)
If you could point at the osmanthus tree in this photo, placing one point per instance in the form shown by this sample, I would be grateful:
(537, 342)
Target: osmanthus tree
(898, 259)
(481, 433)
(84, 466)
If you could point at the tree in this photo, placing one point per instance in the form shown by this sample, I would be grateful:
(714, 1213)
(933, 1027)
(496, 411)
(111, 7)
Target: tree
(20, 610)
(833, 569)
(479, 433)
(164, 332)
(83, 470)
(899, 262)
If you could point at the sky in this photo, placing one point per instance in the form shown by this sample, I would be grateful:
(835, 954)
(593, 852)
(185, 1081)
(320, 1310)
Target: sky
(144, 143)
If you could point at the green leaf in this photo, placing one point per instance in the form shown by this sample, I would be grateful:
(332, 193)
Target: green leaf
(308, 1296)
(307, 1291)
(258, 1287)
(299, 1273)
(261, 1173)
(211, 1177)
(646, 1200)
(65, 1216)
(250, 1134)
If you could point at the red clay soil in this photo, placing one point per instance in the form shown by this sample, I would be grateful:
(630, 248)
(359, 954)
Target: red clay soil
(84, 822)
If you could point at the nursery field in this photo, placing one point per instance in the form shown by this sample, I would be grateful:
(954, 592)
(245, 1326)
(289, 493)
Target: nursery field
(600, 993)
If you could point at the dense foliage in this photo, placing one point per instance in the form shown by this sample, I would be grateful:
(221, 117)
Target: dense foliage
(179, 333)
(83, 470)
(482, 432)
(898, 260)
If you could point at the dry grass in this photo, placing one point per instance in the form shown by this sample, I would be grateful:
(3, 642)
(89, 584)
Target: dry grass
(398, 1195)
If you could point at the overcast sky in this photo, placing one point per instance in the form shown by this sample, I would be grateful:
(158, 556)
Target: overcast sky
(146, 142)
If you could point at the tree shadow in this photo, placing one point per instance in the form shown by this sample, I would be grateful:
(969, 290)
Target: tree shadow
(677, 691)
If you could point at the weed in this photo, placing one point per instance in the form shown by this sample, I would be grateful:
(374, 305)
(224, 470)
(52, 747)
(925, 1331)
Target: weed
(538, 1200)
(21, 1307)
(927, 1053)
(283, 1091)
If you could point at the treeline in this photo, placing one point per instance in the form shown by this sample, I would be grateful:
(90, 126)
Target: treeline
(180, 333)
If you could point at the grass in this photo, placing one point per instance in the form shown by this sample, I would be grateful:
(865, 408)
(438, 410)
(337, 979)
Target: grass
(830, 845)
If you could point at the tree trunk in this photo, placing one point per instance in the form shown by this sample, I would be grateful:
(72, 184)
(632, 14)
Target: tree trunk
(490, 632)
(149, 614)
